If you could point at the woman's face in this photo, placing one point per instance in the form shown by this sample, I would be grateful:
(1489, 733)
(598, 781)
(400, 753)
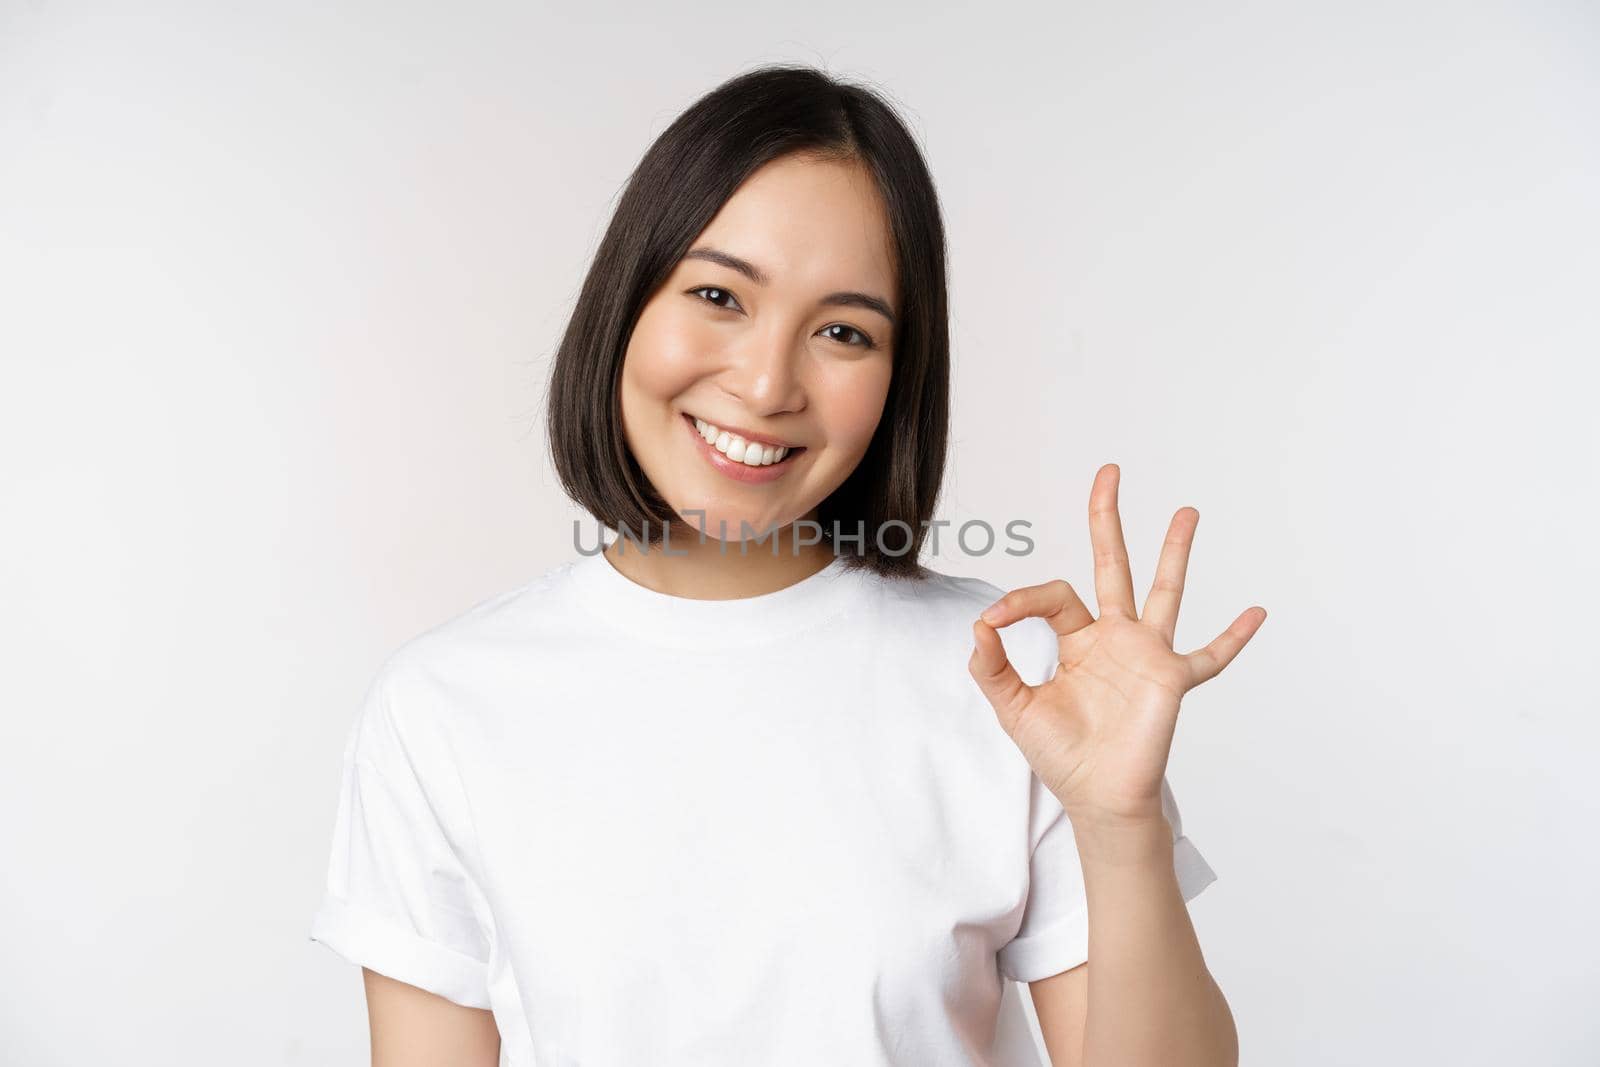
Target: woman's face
(776, 325)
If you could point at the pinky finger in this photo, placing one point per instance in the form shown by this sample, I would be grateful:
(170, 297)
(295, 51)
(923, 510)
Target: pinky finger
(1206, 663)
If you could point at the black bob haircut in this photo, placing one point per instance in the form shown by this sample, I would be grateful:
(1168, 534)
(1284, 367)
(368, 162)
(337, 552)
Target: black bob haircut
(678, 186)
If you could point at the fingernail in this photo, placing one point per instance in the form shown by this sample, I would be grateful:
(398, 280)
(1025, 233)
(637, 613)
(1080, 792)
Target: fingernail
(990, 613)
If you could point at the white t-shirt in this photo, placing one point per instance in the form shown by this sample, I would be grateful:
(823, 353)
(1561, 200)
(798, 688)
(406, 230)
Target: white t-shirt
(645, 829)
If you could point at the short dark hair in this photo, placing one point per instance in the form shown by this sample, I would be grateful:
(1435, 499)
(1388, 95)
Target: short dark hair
(679, 185)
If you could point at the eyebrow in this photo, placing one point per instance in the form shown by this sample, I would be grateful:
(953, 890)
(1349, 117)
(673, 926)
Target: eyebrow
(847, 298)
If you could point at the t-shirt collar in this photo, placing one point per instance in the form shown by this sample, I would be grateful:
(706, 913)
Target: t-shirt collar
(664, 618)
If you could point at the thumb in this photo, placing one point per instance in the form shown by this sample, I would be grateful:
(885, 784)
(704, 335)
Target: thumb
(999, 681)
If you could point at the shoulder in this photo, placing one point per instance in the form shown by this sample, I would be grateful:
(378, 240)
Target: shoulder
(938, 601)
(931, 590)
(466, 649)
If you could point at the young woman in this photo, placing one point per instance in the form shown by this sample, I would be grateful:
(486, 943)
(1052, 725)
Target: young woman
(752, 785)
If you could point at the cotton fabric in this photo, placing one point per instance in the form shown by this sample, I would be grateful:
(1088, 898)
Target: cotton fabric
(641, 828)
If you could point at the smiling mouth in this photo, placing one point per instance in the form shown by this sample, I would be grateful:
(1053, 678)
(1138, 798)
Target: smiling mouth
(738, 450)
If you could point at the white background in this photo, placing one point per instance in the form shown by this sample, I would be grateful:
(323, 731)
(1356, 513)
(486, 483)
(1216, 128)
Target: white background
(278, 291)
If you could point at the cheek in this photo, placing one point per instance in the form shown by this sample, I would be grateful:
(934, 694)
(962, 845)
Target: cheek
(856, 397)
(665, 354)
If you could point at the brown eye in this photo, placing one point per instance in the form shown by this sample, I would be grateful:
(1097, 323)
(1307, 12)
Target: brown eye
(719, 296)
(865, 342)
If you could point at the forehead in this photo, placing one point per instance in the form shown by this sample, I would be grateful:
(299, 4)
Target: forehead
(809, 223)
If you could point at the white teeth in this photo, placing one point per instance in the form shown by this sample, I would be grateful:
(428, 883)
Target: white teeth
(737, 448)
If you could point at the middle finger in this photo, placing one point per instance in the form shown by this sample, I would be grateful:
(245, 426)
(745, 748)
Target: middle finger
(1113, 581)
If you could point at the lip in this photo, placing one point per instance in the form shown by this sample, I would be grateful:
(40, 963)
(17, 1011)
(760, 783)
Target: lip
(741, 472)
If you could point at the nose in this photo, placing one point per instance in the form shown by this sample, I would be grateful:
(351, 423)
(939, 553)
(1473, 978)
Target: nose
(765, 375)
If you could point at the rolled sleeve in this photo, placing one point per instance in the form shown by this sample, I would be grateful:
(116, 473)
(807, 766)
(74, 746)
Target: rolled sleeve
(1054, 932)
(398, 898)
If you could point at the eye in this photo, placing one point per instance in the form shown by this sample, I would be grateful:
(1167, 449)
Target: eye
(865, 342)
(720, 295)
(722, 298)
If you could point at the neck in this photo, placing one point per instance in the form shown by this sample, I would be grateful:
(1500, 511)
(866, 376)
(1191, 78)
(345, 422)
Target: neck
(719, 570)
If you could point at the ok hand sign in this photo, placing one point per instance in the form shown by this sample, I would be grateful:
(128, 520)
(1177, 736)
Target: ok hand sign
(1098, 733)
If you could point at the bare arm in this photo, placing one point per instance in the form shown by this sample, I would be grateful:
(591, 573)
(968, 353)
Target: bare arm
(1148, 998)
(1098, 732)
(414, 1028)
(1062, 1004)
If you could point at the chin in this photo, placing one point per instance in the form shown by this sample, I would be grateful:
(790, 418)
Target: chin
(715, 521)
